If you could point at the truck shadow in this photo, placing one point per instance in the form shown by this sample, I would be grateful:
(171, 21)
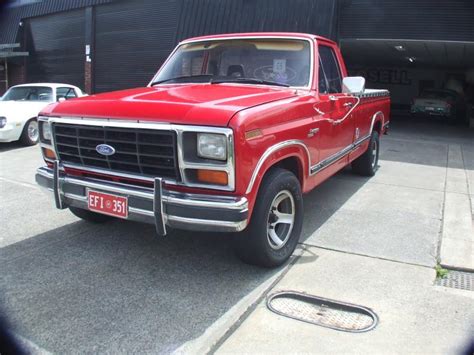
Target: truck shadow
(124, 289)
(326, 199)
(5, 147)
(119, 288)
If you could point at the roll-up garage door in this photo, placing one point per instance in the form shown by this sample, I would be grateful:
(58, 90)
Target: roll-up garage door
(133, 38)
(56, 47)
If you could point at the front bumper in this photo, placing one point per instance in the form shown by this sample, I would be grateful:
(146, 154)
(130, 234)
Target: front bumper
(10, 133)
(156, 205)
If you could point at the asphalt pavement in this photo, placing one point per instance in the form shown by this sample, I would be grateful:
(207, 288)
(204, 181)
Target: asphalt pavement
(72, 287)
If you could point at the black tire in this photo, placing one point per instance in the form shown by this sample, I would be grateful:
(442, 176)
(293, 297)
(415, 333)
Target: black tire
(90, 216)
(367, 163)
(27, 137)
(254, 245)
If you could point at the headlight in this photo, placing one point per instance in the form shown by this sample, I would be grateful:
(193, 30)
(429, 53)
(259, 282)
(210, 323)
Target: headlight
(212, 146)
(45, 131)
(3, 122)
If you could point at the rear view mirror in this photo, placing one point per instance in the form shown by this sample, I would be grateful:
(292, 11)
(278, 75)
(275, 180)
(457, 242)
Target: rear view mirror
(353, 85)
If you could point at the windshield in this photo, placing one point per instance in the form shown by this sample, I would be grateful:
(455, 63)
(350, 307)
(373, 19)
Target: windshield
(29, 93)
(263, 61)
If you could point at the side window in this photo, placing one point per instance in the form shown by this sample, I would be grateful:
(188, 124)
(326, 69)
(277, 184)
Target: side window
(67, 93)
(330, 78)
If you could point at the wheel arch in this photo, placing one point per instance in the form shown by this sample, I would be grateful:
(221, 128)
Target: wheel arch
(378, 120)
(290, 155)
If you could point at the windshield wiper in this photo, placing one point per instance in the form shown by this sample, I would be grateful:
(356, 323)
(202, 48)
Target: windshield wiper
(179, 78)
(247, 81)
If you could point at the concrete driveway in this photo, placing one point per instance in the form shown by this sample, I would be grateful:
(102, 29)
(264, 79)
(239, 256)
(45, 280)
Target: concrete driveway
(72, 287)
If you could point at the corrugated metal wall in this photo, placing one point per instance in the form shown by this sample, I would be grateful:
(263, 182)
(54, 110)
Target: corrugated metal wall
(133, 38)
(56, 46)
(407, 19)
(11, 17)
(200, 17)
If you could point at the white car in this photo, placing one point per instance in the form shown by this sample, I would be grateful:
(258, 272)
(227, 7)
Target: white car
(20, 106)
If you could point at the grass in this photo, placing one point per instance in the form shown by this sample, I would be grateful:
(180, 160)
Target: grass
(441, 272)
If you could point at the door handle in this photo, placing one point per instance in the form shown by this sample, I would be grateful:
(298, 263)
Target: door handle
(348, 104)
(333, 98)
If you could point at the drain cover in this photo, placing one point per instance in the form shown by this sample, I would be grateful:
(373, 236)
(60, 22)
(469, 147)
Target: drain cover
(322, 311)
(457, 279)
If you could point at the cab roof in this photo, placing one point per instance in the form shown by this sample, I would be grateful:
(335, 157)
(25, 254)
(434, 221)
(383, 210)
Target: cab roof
(260, 34)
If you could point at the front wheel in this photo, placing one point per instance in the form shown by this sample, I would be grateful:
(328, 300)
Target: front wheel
(276, 223)
(30, 134)
(367, 163)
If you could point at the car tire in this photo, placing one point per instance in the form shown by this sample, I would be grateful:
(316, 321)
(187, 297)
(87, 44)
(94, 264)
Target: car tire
(367, 163)
(30, 134)
(90, 216)
(267, 241)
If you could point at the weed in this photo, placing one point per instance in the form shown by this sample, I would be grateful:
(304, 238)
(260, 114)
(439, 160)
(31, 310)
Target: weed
(441, 272)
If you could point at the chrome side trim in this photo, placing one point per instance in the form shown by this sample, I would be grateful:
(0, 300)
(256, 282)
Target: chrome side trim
(269, 152)
(337, 156)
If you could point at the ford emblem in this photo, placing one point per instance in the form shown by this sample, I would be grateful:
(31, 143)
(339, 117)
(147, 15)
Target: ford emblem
(105, 149)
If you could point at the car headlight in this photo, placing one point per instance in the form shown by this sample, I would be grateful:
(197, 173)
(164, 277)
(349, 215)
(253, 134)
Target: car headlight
(3, 122)
(212, 146)
(45, 131)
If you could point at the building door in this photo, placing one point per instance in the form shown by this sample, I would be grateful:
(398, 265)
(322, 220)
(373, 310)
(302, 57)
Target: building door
(132, 39)
(56, 46)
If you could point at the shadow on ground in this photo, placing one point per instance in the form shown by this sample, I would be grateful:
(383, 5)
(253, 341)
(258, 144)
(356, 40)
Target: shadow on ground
(118, 287)
(5, 147)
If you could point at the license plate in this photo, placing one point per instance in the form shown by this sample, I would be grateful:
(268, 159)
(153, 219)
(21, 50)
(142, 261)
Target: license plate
(111, 205)
(429, 108)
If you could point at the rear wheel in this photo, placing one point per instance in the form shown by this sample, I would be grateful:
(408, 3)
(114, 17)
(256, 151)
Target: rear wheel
(30, 134)
(89, 216)
(367, 163)
(276, 223)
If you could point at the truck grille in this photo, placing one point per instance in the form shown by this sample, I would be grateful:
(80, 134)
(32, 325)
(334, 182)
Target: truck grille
(145, 152)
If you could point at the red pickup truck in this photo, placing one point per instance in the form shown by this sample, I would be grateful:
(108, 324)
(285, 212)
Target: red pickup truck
(228, 135)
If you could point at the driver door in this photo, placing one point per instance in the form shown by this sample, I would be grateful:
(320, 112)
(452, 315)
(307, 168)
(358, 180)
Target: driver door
(335, 108)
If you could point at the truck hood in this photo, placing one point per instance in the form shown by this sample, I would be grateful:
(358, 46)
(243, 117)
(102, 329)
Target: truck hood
(197, 104)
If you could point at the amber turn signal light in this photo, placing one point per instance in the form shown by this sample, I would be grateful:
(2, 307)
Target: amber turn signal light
(212, 177)
(48, 153)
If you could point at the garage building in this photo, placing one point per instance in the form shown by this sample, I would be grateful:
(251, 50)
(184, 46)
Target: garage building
(102, 45)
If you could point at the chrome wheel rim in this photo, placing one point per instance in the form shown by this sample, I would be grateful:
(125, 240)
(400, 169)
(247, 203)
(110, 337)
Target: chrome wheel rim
(33, 132)
(374, 154)
(280, 220)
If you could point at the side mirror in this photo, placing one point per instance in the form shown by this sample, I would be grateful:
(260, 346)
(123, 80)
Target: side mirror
(61, 99)
(353, 85)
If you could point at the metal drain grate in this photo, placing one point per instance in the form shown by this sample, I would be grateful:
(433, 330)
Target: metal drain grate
(457, 279)
(322, 311)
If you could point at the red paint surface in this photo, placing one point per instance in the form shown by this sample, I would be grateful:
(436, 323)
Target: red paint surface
(280, 113)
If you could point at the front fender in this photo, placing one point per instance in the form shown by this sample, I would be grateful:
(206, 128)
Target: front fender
(274, 155)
